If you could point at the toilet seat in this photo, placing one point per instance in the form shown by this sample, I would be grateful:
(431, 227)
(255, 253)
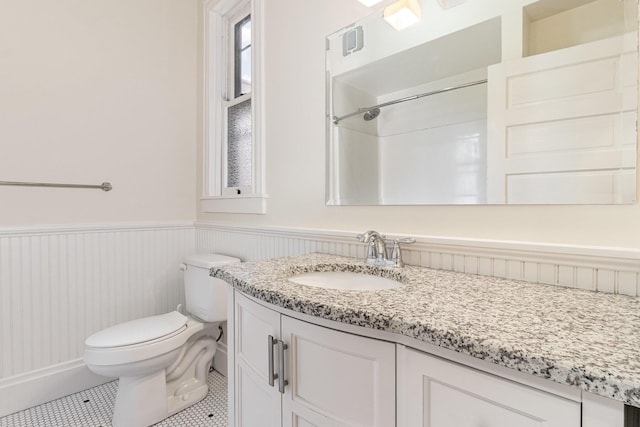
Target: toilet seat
(98, 353)
(138, 331)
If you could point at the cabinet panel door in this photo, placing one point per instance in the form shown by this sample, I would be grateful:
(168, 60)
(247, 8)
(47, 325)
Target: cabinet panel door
(436, 393)
(256, 402)
(337, 379)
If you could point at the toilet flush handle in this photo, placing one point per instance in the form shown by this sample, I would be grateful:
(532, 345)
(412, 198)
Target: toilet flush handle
(182, 267)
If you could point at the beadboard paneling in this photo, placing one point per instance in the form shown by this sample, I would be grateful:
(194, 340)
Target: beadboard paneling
(612, 270)
(58, 286)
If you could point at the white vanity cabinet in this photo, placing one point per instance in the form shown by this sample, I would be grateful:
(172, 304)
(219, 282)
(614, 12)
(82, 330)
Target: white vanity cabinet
(332, 378)
(254, 402)
(437, 393)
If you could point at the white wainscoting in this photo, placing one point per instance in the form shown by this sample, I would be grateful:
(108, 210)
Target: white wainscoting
(59, 285)
(612, 270)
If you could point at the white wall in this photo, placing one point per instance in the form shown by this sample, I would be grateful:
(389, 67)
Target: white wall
(433, 150)
(90, 91)
(97, 91)
(295, 163)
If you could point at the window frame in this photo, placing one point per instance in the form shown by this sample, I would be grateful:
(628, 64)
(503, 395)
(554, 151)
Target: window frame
(220, 17)
(237, 54)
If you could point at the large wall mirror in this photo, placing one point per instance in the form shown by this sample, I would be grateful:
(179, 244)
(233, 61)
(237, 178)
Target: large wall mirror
(486, 102)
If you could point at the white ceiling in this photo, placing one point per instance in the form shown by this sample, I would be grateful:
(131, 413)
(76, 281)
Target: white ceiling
(470, 49)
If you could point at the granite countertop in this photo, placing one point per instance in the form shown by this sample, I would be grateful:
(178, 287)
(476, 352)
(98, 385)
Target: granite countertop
(585, 339)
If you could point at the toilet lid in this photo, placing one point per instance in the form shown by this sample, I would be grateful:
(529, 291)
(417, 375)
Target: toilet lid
(209, 260)
(137, 331)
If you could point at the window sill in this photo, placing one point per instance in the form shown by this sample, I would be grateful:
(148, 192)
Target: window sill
(249, 204)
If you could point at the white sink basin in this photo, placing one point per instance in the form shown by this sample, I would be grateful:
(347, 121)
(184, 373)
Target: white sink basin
(345, 280)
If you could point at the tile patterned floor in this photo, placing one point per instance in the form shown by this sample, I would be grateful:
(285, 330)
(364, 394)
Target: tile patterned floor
(92, 408)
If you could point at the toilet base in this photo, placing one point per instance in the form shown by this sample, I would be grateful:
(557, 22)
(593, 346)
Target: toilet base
(140, 401)
(145, 400)
(187, 382)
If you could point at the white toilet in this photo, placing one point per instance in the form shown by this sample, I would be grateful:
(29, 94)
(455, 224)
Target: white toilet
(162, 362)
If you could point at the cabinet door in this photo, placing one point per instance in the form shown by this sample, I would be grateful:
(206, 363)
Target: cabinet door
(563, 126)
(436, 393)
(336, 379)
(256, 402)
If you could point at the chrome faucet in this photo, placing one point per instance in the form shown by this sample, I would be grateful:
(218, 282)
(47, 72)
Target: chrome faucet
(377, 249)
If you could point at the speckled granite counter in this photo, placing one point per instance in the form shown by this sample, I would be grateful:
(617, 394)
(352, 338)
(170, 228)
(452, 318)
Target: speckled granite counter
(584, 339)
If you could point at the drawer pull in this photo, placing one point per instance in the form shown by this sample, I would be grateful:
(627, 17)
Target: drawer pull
(272, 374)
(281, 381)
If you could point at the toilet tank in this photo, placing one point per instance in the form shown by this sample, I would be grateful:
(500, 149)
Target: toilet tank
(205, 296)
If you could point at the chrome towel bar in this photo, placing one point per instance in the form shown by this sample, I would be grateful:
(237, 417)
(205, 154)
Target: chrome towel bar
(105, 186)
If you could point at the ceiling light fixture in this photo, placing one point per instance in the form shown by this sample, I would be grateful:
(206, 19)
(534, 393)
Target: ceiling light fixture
(403, 14)
(369, 3)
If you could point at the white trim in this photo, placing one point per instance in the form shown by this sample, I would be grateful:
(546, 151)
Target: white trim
(220, 360)
(43, 385)
(87, 228)
(249, 204)
(258, 95)
(214, 87)
(604, 269)
(462, 244)
(53, 382)
(211, 72)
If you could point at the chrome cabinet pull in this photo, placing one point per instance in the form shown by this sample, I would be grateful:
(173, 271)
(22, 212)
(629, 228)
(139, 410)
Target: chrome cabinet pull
(272, 374)
(281, 381)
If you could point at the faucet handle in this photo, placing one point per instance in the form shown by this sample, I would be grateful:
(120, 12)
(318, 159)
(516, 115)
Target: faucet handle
(375, 245)
(396, 254)
(366, 237)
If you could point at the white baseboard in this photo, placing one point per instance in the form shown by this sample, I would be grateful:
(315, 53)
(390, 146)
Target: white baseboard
(220, 360)
(43, 385)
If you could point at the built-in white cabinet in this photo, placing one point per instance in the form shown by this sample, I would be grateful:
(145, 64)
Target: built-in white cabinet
(321, 377)
(285, 371)
(437, 393)
(563, 125)
(255, 402)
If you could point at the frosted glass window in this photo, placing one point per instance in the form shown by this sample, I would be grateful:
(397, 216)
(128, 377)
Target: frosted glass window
(239, 145)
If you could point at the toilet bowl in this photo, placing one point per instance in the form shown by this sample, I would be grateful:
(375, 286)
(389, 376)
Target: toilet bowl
(162, 361)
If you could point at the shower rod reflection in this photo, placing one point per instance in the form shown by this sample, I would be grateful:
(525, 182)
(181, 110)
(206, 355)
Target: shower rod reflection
(370, 113)
(105, 186)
